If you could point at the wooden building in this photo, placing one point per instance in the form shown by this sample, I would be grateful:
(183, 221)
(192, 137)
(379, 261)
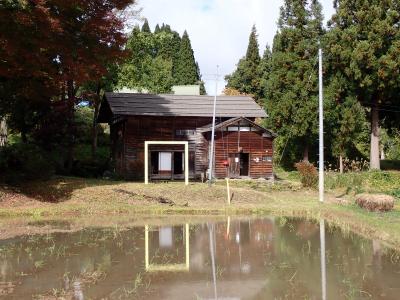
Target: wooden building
(242, 147)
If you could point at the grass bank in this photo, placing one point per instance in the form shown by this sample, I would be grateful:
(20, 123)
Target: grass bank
(101, 201)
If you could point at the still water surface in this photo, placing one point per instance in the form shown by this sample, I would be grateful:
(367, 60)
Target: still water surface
(266, 258)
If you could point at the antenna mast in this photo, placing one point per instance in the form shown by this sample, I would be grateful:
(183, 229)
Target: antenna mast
(211, 156)
(321, 129)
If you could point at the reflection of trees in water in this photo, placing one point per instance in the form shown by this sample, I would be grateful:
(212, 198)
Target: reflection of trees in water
(84, 257)
(295, 273)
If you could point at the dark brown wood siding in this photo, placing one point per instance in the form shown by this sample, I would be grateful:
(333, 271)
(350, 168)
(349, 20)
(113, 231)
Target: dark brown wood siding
(128, 151)
(141, 129)
(250, 142)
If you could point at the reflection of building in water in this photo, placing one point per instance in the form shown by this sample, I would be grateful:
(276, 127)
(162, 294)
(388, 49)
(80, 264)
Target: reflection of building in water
(237, 262)
(171, 242)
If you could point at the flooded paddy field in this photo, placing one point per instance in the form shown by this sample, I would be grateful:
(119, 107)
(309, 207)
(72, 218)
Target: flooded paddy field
(226, 258)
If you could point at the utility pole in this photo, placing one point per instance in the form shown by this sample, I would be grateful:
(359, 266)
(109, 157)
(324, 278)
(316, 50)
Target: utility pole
(321, 129)
(211, 156)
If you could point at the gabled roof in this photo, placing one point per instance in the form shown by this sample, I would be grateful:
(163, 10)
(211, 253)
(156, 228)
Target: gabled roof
(235, 121)
(130, 104)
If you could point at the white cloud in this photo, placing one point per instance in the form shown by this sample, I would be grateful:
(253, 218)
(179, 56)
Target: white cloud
(219, 29)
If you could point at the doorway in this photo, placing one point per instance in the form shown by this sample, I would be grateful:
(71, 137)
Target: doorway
(161, 163)
(244, 164)
(178, 163)
(238, 165)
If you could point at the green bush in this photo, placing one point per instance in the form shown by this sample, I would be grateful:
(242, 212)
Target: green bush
(396, 193)
(86, 166)
(371, 182)
(308, 174)
(20, 162)
(390, 165)
(84, 123)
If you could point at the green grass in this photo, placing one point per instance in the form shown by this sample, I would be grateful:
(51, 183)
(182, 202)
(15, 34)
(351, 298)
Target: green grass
(386, 182)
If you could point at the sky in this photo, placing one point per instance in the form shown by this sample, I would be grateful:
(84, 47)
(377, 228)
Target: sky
(219, 29)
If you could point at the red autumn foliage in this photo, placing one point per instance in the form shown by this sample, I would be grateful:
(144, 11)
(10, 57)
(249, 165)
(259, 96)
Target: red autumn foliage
(56, 41)
(48, 49)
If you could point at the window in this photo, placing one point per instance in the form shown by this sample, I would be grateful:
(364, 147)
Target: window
(165, 161)
(131, 153)
(242, 128)
(184, 132)
(267, 158)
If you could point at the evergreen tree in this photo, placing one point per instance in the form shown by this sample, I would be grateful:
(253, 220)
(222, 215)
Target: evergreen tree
(364, 44)
(168, 44)
(246, 77)
(200, 81)
(292, 85)
(144, 69)
(157, 75)
(348, 123)
(146, 27)
(253, 51)
(264, 70)
(186, 69)
(157, 29)
(157, 60)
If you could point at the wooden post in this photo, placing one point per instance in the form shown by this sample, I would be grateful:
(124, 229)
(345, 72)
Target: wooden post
(146, 246)
(228, 191)
(146, 162)
(186, 163)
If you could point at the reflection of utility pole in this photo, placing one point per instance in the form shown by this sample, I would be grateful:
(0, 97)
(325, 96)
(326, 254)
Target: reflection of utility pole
(211, 232)
(323, 259)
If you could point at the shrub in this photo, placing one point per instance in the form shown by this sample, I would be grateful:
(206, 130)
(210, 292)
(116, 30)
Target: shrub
(19, 162)
(308, 174)
(86, 166)
(375, 202)
(396, 193)
(390, 165)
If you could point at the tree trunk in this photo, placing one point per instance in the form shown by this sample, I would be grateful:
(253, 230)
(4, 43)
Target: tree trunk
(341, 164)
(383, 156)
(305, 152)
(94, 128)
(3, 132)
(374, 154)
(70, 126)
(24, 138)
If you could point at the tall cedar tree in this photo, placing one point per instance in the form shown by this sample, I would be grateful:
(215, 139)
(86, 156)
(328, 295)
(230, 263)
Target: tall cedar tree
(292, 86)
(54, 47)
(168, 43)
(364, 42)
(246, 77)
(186, 69)
(146, 26)
(264, 70)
